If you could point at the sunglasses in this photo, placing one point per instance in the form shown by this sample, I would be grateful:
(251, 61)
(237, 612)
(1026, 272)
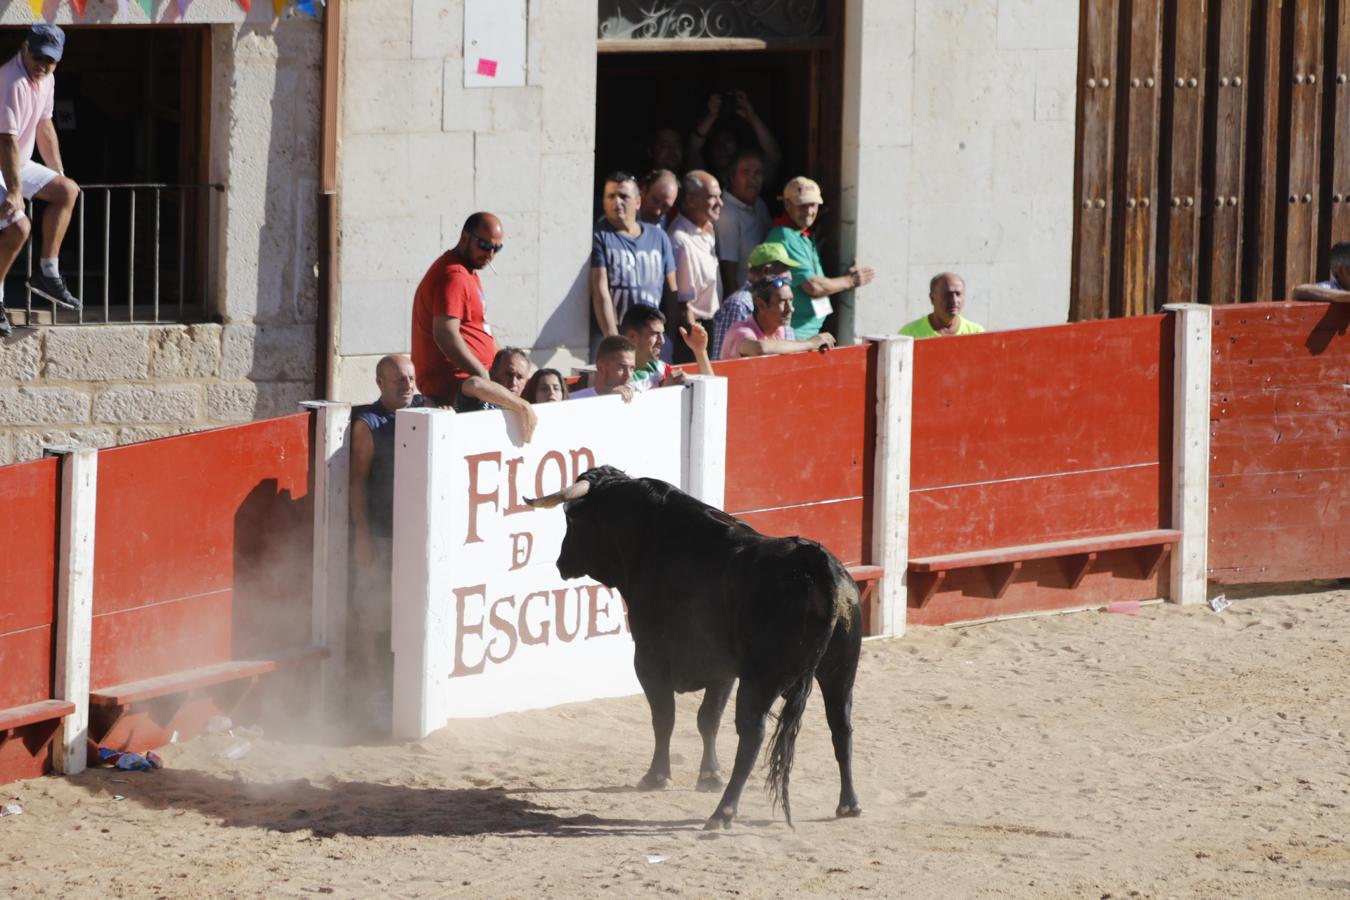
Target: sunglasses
(774, 281)
(487, 246)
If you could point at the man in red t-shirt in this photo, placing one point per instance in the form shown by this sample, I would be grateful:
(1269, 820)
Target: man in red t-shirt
(450, 336)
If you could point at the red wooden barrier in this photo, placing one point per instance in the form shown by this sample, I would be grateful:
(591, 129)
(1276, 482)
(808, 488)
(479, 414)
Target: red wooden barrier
(203, 555)
(1039, 435)
(28, 508)
(1279, 483)
(800, 434)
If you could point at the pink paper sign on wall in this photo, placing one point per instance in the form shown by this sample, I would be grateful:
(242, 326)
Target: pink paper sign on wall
(495, 35)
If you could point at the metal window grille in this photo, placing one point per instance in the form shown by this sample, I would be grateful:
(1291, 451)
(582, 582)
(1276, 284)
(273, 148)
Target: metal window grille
(139, 256)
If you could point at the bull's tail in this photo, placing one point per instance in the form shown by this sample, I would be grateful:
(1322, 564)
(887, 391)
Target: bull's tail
(784, 741)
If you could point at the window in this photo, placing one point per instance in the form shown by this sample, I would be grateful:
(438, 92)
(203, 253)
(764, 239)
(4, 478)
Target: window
(131, 113)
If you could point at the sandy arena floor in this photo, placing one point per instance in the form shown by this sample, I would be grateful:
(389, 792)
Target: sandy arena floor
(1176, 753)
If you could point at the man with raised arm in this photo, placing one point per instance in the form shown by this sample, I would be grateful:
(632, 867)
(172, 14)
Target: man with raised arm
(27, 91)
(646, 329)
(811, 287)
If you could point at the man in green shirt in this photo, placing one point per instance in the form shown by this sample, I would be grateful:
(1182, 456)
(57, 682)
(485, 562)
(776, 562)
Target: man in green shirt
(811, 289)
(947, 293)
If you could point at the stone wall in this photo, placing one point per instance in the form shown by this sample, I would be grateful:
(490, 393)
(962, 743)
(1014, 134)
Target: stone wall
(108, 384)
(959, 155)
(420, 153)
(101, 386)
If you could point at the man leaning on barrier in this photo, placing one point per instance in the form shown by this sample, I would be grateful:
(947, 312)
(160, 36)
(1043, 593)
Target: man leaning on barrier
(1335, 289)
(947, 293)
(768, 332)
(615, 362)
(27, 91)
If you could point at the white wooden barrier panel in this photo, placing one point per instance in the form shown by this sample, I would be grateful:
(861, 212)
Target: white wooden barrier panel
(482, 621)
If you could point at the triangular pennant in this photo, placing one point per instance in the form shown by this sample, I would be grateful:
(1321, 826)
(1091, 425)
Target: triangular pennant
(37, 8)
(79, 6)
(122, 6)
(278, 6)
(149, 7)
(310, 7)
(245, 4)
(182, 7)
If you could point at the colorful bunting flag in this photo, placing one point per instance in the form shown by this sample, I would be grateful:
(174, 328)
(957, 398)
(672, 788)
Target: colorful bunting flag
(310, 7)
(37, 8)
(122, 6)
(149, 7)
(79, 6)
(182, 7)
(245, 4)
(278, 6)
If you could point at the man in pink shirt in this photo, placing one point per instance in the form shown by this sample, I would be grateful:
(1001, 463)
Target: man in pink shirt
(767, 332)
(27, 86)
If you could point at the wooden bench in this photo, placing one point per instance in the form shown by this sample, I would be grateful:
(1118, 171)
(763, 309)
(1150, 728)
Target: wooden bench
(1003, 563)
(866, 578)
(43, 711)
(195, 679)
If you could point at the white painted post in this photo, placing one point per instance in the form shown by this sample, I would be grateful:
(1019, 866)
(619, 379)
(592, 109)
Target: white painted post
(707, 452)
(1190, 451)
(890, 485)
(422, 479)
(328, 605)
(75, 602)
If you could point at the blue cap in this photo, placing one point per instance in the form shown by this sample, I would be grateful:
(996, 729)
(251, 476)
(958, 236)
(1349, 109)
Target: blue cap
(46, 40)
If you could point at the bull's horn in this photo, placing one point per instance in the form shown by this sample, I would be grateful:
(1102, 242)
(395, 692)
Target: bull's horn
(574, 491)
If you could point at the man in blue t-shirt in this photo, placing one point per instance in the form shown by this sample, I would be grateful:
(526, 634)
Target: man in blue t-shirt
(631, 261)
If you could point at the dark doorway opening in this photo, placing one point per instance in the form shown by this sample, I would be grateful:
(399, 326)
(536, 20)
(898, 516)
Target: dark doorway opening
(795, 91)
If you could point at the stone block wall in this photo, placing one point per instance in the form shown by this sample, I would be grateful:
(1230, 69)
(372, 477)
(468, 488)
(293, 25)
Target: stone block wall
(103, 385)
(99, 386)
(420, 152)
(959, 155)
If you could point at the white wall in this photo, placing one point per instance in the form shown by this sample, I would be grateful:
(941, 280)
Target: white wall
(420, 153)
(959, 146)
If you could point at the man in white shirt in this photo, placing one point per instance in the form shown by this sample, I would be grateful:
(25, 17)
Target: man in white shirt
(745, 218)
(615, 362)
(693, 236)
(27, 89)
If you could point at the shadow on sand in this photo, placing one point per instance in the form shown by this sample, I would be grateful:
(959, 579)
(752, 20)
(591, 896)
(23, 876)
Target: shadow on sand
(360, 809)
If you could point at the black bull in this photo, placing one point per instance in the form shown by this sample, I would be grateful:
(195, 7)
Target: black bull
(711, 600)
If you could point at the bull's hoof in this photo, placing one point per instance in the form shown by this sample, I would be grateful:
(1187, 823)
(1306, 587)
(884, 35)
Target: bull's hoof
(720, 820)
(709, 782)
(848, 811)
(653, 782)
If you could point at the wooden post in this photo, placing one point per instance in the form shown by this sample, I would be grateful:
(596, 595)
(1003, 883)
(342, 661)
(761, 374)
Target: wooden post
(706, 475)
(328, 608)
(890, 485)
(1190, 451)
(75, 602)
